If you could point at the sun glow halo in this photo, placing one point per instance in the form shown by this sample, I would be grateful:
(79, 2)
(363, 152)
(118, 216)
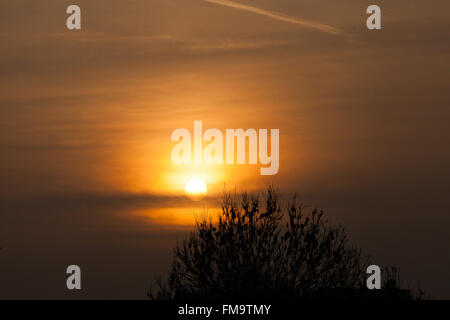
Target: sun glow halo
(195, 189)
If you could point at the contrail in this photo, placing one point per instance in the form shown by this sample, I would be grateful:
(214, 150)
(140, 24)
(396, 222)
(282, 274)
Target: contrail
(279, 16)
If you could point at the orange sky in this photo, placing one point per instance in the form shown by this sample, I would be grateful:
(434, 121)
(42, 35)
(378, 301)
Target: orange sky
(363, 116)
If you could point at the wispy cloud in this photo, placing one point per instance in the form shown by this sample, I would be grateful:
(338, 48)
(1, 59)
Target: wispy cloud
(279, 16)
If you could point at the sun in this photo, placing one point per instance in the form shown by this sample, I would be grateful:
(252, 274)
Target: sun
(195, 189)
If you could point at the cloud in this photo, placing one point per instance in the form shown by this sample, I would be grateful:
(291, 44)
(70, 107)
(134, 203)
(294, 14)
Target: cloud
(279, 16)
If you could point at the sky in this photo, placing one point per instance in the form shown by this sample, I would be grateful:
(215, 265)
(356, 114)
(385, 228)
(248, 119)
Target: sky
(86, 117)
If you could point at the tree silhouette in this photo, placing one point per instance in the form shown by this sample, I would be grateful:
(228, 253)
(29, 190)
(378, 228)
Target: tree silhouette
(260, 250)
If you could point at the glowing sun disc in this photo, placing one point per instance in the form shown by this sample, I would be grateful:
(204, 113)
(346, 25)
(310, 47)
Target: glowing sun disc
(195, 189)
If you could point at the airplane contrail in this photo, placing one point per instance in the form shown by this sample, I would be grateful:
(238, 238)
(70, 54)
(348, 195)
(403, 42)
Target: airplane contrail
(279, 16)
